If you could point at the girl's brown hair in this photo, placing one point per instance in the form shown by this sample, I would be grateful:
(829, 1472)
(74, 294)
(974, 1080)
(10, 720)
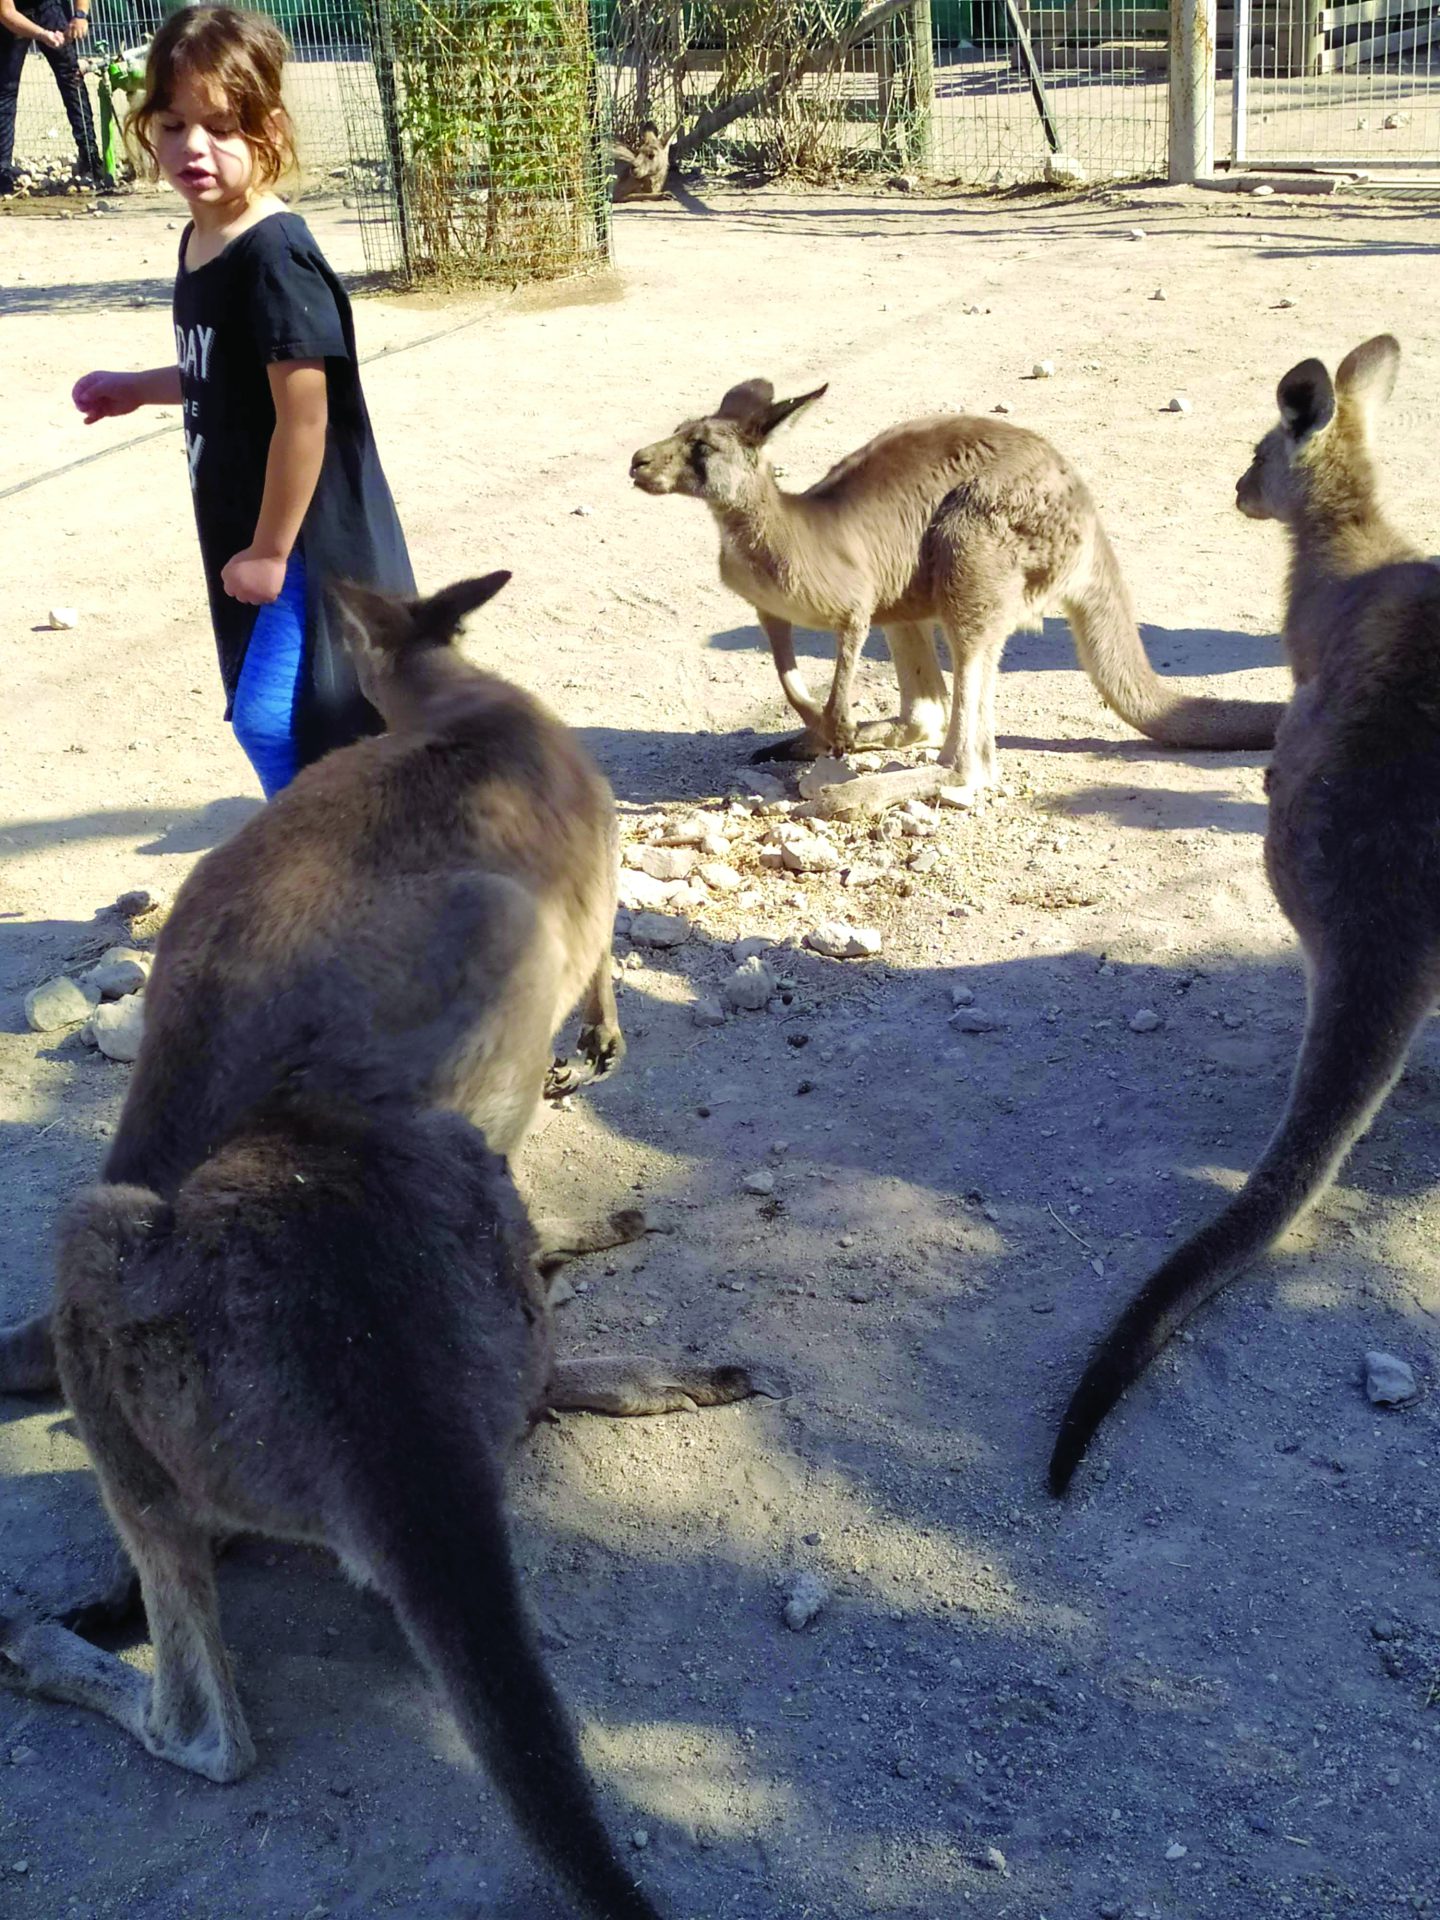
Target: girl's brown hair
(239, 55)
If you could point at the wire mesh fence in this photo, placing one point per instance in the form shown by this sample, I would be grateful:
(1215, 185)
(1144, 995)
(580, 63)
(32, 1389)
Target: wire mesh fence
(976, 92)
(1354, 85)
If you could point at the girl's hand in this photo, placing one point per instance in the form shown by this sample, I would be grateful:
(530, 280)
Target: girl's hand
(104, 396)
(48, 39)
(255, 578)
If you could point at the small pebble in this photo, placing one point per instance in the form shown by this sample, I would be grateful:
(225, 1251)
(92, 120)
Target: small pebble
(1177, 403)
(61, 619)
(1263, 191)
(58, 1003)
(992, 1860)
(659, 930)
(750, 986)
(975, 1020)
(1002, 406)
(1159, 294)
(707, 1012)
(1145, 1020)
(962, 996)
(804, 1597)
(640, 1839)
(1043, 370)
(1175, 1851)
(1135, 233)
(837, 941)
(761, 1181)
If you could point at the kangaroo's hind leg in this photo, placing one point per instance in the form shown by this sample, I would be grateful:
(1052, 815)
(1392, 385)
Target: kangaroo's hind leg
(921, 722)
(600, 1045)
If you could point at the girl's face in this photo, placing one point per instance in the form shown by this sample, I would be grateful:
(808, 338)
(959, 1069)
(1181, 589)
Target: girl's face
(201, 150)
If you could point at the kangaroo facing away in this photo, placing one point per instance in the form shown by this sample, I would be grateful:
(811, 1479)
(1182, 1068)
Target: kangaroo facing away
(1352, 846)
(971, 523)
(333, 1333)
(409, 922)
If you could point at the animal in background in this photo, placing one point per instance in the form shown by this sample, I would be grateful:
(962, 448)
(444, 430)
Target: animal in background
(970, 523)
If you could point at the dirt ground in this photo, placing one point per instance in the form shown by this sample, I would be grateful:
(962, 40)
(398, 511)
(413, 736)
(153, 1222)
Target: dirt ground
(1209, 1684)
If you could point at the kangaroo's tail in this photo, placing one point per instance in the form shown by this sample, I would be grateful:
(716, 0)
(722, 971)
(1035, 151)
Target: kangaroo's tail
(434, 1539)
(1357, 1035)
(1111, 651)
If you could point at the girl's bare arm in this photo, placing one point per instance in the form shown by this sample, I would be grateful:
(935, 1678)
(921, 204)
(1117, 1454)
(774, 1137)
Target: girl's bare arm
(292, 469)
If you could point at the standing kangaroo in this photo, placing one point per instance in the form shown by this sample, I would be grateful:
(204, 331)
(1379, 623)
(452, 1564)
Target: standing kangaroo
(409, 922)
(972, 523)
(333, 1333)
(1352, 846)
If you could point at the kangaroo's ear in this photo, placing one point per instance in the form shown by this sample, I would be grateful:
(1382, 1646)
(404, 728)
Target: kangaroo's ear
(392, 623)
(1306, 399)
(1366, 376)
(439, 618)
(747, 404)
(371, 620)
(782, 410)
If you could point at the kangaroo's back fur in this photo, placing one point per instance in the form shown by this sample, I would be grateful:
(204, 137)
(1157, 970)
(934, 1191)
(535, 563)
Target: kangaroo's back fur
(409, 921)
(969, 522)
(333, 1332)
(1352, 845)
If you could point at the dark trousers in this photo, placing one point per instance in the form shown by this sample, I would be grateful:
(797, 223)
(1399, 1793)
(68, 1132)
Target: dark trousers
(65, 65)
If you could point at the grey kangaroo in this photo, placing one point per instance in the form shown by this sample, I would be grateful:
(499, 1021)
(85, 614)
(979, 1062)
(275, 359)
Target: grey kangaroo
(973, 523)
(409, 922)
(1352, 846)
(333, 1331)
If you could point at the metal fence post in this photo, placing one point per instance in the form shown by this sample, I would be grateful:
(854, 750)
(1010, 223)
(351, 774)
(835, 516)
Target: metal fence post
(1192, 90)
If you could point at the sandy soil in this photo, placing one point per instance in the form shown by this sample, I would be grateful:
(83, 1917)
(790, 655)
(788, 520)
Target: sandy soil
(1229, 1641)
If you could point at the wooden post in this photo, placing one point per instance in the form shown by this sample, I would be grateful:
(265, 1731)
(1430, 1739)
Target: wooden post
(1192, 91)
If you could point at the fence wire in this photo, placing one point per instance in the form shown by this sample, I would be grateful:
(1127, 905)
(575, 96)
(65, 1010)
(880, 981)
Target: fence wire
(1355, 85)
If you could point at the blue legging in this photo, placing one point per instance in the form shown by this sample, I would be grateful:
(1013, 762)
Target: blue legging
(263, 715)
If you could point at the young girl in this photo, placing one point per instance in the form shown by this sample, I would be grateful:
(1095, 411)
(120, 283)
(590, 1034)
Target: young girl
(287, 483)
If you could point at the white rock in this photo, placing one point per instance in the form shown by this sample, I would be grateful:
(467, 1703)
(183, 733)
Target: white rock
(805, 1596)
(1063, 171)
(1390, 1382)
(1159, 294)
(57, 1003)
(751, 943)
(862, 874)
(690, 831)
(975, 1020)
(838, 941)
(1043, 370)
(761, 1182)
(1262, 191)
(1175, 1851)
(118, 1027)
(764, 786)
(115, 980)
(707, 1012)
(1145, 1020)
(668, 863)
(659, 930)
(962, 797)
(749, 987)
(1177, 403)
(638, 890)
(808, 853)
(715, 846)
(63, 618)
(1135, 233)
(721, 877)
(823, 773)
(962, 996)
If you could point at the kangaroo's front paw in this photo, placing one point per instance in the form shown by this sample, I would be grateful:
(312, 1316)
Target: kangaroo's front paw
(603, 1047)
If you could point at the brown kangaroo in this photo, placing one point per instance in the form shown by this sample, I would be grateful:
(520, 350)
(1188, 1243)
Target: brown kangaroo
(642, 170)
(1352, 846)
(973, 523)
(408, 923)
(332, 1332)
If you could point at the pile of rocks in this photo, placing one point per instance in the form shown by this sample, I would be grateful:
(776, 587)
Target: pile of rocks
(106, 1002)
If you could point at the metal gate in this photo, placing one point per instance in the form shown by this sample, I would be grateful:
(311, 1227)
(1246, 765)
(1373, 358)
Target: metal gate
(1355, 86)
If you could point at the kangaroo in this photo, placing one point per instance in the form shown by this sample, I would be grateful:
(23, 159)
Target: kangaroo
(641, 171)
(409, 921)
(973, 523)
(334, 1332)
(1352, 846)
